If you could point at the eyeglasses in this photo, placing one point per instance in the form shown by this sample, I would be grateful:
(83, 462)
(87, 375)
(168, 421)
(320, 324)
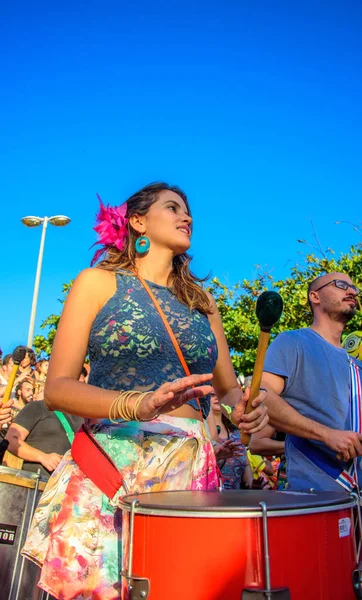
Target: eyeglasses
(342, 285)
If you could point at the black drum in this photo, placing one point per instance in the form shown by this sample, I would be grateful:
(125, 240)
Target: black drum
(19, 495)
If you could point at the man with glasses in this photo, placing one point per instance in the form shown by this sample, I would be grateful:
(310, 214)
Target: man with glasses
(308, 375)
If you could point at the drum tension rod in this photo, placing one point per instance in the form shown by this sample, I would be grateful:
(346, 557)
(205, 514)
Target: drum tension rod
(16, 587)
(138, 587)
(268, 593)
(357, 572)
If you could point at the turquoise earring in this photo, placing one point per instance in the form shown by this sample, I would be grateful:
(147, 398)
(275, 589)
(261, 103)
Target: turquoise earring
(142, 244)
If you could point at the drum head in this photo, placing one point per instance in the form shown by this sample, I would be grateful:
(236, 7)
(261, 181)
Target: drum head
(237, 500)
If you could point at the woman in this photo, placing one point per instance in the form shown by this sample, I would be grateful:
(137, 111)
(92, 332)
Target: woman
(26, 367)
(40, 374)
(155, 437)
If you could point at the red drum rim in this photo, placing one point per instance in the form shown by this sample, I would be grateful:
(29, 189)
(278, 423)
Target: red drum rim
(227, 504)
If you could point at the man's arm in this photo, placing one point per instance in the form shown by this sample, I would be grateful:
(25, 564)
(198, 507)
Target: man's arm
(285, 418)
(263, 444)
(16, 437)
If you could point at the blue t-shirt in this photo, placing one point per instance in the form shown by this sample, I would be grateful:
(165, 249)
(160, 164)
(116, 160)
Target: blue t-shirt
(317, 385)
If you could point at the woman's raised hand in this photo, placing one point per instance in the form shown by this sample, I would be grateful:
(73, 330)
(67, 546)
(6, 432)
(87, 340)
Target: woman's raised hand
(172, 395)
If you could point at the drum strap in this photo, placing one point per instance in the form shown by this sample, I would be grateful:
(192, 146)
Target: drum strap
(95, 463)
(324, 462)
(355, 407)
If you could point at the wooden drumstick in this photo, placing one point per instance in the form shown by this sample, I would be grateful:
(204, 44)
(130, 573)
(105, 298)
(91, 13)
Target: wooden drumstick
(269, 308)
(18, 356)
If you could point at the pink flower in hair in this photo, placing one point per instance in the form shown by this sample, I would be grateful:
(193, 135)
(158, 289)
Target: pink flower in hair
(111, 227)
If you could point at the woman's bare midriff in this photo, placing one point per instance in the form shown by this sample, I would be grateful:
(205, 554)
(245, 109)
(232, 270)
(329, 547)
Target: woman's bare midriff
(186, 412)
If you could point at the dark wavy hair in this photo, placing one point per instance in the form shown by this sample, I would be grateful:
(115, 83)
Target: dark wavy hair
(185, 285)
(20, 384)
(32, 356)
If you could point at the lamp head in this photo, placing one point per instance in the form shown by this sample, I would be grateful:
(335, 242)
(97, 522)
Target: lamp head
(269, 308)
(59, 220)
(32, 221)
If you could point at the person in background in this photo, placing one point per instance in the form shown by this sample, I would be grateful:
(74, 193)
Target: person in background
(5, 410)
(86, 367)
(41, 437)
(40, 375)
(24, 393)
(261, 467)
(271, 443)
(231, 453)
(5, 371)
(83, 377)
(26, 367)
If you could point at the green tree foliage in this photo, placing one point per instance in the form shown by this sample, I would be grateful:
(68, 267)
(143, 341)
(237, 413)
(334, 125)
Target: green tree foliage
(43, 344)
(237, 304)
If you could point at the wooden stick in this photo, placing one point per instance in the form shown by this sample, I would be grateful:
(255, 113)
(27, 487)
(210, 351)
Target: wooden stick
(9, 385)
(10, 460)
(18, 355)
(256, 380)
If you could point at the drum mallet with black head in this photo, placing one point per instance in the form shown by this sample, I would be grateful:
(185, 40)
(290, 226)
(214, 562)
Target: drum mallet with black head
(269, 308)
(18, 355)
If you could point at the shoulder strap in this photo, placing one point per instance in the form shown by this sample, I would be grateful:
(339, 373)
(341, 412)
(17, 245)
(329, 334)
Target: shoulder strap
(355, 395)
(66, 425)
(168, 329)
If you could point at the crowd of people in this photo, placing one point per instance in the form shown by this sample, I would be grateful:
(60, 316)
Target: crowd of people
(35, 435)
(163, 409)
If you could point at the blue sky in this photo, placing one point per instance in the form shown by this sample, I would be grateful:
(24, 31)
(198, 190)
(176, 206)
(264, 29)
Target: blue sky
(254, 109)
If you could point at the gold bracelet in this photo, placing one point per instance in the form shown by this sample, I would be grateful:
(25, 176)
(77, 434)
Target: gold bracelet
(120, 408)
(132, 413)
(137, 405)
(123, 410)
(112, 409)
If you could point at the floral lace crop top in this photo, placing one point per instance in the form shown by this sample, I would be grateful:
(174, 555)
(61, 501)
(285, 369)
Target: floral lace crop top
(130, 349)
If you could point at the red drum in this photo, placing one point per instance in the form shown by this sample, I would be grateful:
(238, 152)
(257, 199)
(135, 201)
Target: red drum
(215, 546)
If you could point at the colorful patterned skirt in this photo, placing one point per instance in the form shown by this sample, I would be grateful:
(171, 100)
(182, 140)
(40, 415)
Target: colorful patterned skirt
(76, 534)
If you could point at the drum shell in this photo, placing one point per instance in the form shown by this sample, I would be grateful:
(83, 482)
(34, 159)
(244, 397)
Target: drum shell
(217, 557)
(16, 508)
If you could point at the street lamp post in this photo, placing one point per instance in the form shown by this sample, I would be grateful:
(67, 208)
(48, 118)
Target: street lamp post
(58, 221)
